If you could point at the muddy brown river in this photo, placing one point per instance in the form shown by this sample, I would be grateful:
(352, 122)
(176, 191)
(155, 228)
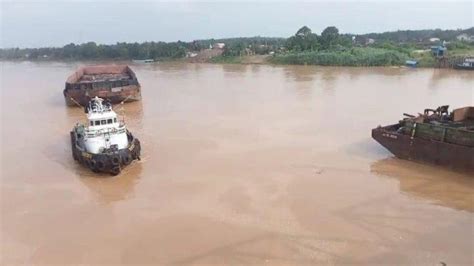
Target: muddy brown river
(241, 165)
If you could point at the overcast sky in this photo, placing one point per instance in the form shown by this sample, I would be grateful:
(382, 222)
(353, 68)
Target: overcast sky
(56, 23)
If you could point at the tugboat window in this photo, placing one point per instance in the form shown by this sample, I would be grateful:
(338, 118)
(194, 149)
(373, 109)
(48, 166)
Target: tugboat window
(103, 122)
(92, 123)
(97, 122)
(109, 121)
(115, 120)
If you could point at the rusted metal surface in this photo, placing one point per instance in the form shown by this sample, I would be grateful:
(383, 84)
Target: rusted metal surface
(116, 83)
(436, 141)
(421, 150)
(462, 114)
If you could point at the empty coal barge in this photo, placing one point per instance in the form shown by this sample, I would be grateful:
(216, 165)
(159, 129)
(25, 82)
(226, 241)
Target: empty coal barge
(104, 144)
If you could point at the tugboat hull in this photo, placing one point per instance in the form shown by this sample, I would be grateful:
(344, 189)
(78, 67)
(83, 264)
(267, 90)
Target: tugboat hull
(108, 162)
(422, 150)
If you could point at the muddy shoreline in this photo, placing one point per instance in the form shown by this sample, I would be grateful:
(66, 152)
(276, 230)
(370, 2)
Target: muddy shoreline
(244, 60)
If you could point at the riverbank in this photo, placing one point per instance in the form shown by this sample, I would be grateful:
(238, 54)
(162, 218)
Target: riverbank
(348, 57)
(328, 48)
(218, 60)
(352, 57)
(355, 57)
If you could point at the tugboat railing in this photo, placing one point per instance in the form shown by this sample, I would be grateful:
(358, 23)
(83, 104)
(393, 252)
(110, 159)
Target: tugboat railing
(94, 133)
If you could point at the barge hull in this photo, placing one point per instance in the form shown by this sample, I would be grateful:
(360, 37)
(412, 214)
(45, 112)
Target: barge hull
(128, 94)
(422, 150)
(116, 83)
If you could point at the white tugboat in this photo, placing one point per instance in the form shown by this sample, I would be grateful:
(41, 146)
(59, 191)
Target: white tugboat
(104, 144)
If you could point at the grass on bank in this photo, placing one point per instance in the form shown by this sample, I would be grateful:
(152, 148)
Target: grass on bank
(221, 59)
(353, 57)
(358, 56)
(425, 59)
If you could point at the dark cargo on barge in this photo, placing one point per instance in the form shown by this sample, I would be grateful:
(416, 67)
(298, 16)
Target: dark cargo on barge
(116, 83)
(436, 137)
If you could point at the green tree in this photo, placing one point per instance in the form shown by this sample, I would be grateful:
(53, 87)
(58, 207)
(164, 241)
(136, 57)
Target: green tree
(69, 51)
(303, 40)
(303, 31)
(234, 49)
(89, 50)
(329, 37)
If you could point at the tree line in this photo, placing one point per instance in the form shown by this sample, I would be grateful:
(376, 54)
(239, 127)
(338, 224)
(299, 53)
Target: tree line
(126, 51)
(303, 40)
(419, 36)
(92, 51)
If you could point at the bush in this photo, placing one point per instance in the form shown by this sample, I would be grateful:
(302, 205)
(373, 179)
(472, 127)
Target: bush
(459, 45)
(351, 57)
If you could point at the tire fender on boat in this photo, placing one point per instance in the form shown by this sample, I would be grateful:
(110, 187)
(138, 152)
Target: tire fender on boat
(92, 164)
(115, 159)
(127, 159)
(100, 164)
(115, 170)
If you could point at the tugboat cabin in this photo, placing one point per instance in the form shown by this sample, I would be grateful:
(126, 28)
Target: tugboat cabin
(101, 115)
(97, 122)
(104, 129)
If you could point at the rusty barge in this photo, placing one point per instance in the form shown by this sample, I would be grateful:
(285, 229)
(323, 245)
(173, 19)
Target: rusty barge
(436, 137)
(116, 83)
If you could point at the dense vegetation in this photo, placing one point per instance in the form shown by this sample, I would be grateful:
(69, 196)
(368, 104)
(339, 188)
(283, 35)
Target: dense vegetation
(418, 36)
(390, 48)
(126, 51)
(304, 47)
(350, 57)
(92, 51)
(252, 45)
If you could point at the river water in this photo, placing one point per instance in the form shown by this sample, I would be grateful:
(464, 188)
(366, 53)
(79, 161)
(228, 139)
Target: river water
(241, 164)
